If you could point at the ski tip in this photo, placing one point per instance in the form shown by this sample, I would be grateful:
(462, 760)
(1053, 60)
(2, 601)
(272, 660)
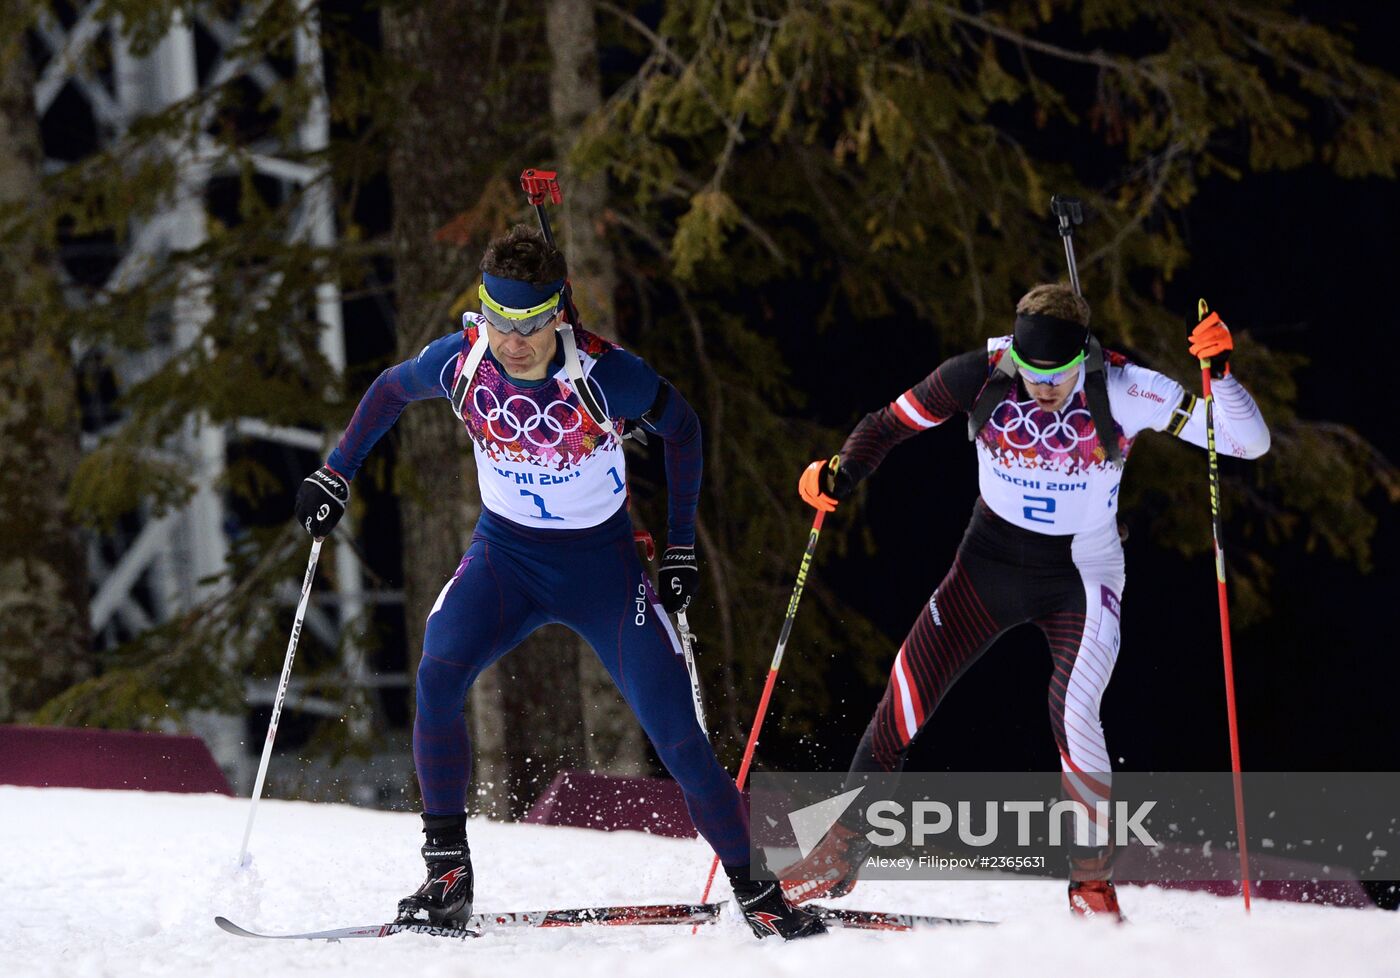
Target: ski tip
(883, 920)
(1201, 309)
(230, 927)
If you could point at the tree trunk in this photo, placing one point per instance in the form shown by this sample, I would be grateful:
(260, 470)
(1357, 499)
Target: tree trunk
(437, 163)
(44, 634)
(465, 128)
(575, 93)
(613, 741)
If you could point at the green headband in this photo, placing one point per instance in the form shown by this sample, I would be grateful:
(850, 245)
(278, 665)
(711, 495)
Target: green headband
(1032, 368)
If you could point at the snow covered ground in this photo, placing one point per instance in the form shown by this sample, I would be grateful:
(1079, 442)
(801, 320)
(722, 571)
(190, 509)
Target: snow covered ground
(103, 884)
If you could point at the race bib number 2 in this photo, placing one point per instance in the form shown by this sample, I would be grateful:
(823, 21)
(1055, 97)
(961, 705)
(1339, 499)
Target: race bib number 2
(1039, 508)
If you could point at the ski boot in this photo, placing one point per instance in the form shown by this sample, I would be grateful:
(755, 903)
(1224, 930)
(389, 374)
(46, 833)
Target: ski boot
(1091, 889)
(767, 912)
(445, 898)
(1095, 898)
(830, 869)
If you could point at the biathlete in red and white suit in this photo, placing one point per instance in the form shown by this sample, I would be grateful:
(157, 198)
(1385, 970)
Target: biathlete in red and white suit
(544, 404)
(1042, 545)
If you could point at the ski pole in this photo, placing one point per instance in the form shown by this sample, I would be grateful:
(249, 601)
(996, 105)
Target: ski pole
(281, 695)
(1070, 212)
(772, 676)
(540, 185)
(1215, 529)
(644, 539)
(687, 645)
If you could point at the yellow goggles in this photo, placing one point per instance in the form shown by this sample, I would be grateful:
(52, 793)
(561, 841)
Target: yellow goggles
(522, 321)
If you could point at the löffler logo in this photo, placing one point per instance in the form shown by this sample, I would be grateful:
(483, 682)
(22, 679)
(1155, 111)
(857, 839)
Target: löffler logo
(1135, 391)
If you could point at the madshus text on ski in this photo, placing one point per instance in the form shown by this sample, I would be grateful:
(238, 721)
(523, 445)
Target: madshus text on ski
(547, 405)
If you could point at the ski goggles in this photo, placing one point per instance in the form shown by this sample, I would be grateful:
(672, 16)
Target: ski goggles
(526, 322)
(1047, 376)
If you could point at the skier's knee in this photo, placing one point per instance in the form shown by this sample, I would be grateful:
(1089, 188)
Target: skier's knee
(442, 684)
(690, 759)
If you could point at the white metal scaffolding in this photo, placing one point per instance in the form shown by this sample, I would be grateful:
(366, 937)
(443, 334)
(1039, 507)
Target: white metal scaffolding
(149, 575)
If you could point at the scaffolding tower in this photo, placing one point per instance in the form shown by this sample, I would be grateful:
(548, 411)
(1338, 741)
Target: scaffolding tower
(160, 566)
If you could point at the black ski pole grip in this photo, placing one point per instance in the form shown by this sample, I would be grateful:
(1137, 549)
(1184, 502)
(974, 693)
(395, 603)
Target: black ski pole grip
(1067, 209)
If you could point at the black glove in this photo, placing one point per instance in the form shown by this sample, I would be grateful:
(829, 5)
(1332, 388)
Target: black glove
(321, 501)
(678, 579)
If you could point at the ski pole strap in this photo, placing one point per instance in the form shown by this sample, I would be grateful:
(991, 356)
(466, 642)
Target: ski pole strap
(642, 538)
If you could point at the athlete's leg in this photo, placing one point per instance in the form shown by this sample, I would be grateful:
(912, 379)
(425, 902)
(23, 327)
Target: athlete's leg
(960, 621)
(480, 615)
(613, 607)
(1083, 632)
(1081, 624)
(970, 608)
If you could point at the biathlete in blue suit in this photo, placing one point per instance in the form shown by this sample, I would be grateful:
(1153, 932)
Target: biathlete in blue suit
(553, 544)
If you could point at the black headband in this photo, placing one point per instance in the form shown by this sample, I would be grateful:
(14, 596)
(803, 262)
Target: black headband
(1049, 338)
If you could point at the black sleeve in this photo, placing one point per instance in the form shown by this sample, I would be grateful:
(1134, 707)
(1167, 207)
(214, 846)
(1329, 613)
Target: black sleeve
(951, 388)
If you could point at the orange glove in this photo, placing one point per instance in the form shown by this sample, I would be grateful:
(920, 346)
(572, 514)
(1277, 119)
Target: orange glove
(817, 480)
(1211, 340)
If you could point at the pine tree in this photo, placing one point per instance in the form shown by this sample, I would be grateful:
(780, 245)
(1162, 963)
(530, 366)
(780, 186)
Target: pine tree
(43, 565)
(613, 740)
(770, 181)
(793, 175)
(249, 354)
(469, 127)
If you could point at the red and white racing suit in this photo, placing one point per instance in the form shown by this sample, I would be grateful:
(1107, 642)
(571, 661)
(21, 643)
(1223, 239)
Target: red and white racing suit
(1042, 545)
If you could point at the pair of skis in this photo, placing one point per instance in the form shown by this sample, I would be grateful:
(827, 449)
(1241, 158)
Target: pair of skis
(639, 915)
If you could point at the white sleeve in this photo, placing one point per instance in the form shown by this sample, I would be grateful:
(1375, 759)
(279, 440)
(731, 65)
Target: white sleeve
(1143, 399)
(1240, 429)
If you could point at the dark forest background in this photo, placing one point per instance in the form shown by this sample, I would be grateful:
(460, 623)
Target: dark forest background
(794, 211)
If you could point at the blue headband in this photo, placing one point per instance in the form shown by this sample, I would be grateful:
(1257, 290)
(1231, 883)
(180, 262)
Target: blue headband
(515, 294)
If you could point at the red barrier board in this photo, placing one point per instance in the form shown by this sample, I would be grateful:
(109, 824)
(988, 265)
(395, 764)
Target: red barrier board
(66, 757)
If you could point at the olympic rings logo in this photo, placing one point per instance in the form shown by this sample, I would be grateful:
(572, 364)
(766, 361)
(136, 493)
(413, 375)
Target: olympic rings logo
(1024, 426)
(521, 417)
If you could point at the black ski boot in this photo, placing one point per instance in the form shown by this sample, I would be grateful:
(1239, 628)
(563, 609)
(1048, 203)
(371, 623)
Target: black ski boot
(445, 898)
(767, 910)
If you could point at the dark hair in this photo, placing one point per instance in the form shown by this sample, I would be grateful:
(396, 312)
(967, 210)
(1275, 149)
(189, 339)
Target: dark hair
(523, 254)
